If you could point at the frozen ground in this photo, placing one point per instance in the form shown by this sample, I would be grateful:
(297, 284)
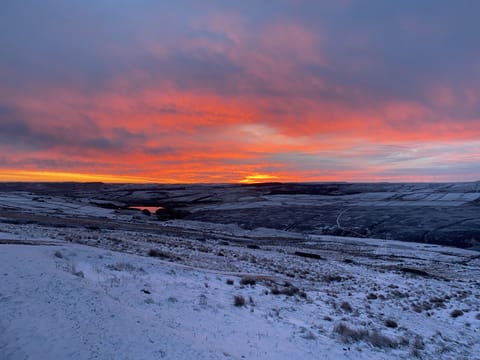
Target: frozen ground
(434, 213)
(82, 282)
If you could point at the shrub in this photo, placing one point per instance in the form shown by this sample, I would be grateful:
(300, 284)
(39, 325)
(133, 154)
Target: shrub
(160, 254)
(345, 306)
(417, 308)
(286, 290)
(307, 334)
(375, 338)
(274, 290)
(332, 278)
(348, 334)
(379, 340)
(418, 345)
(391, 323)
(72, 269)
(123, 267)
(248, 281)
(238, 300)
(92, 227)
(456, 313)
(155, 253)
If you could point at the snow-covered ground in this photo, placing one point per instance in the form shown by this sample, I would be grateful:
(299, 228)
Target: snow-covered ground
(191, 290)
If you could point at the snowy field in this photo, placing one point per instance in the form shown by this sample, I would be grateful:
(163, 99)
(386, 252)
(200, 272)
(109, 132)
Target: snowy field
(128, 287)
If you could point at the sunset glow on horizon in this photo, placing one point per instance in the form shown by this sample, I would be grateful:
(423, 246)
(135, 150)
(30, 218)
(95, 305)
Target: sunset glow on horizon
(239, 92)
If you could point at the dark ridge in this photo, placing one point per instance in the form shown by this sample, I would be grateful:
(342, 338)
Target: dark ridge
(263, 184)
(308, 255)
(415, 271)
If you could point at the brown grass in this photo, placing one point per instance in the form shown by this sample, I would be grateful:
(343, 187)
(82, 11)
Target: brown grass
(238, 300)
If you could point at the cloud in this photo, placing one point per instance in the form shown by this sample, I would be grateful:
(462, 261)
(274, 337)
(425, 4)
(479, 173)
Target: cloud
(221, 91)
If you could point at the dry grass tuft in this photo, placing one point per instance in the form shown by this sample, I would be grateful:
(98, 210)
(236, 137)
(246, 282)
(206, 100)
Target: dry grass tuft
(162, 254)
(391, 323)
(248, 281)
(345, 306)
(286, 290)
(123, 266)
(377, 339)
(349, 334)
(238, 300)
(456, 313)
(417, 346)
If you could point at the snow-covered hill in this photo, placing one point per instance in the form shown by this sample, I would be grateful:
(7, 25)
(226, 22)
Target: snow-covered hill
(82, 282)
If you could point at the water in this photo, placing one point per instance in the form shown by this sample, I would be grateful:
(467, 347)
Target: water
(152, 209)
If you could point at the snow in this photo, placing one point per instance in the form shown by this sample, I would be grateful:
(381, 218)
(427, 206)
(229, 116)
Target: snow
(79, 293)
(104, 313)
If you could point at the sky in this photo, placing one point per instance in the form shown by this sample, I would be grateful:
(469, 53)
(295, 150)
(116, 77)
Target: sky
(239, 91)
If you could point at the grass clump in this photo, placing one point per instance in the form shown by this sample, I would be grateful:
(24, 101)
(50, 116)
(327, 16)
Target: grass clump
(379, 340)
(456, 313)
(345, 306)
(417, 347)
(349, 334)
(391, 323)
(73, 270)
(162, 254)
(123, 267)
(238, 300)
(248, 281)
(288, 289)
(375, 338)
(156, 253)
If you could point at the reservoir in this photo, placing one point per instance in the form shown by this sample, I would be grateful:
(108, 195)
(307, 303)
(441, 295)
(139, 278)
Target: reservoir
(152, 209)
